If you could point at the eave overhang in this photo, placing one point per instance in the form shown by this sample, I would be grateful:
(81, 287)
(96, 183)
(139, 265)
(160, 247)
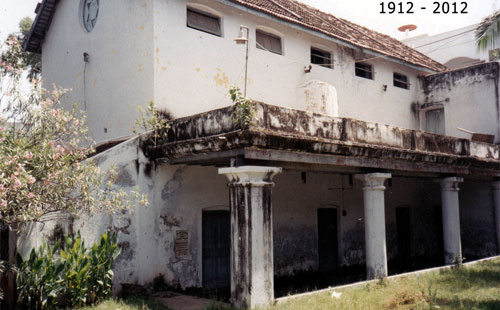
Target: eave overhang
(44, 13)
(304, 140)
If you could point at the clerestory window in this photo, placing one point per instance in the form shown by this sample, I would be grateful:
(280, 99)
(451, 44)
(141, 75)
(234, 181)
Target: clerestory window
(204, 22)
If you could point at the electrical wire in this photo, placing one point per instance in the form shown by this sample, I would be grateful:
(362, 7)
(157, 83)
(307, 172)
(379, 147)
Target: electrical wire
(455, 35)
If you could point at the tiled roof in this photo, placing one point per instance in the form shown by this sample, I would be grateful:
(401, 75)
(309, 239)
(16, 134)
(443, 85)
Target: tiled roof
(314, 19)
(290, 11)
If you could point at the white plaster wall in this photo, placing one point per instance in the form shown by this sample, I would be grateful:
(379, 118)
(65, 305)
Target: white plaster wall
(119, 76)
(471, 101)
(179, 194)
(142, 50)
(193, 70)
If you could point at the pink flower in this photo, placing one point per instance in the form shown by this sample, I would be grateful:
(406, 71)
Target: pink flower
(31, 195)
(31, 179)
(47, 102)
(17, 183)
(3, 203)
(59, 149)
(28, 155)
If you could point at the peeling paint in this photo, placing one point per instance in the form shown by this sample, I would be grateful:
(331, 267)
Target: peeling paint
(221, 79)
(170, 221)
(287, 129)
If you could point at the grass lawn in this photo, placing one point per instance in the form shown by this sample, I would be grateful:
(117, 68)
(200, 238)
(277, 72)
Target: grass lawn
(464, 288)
(128, 304)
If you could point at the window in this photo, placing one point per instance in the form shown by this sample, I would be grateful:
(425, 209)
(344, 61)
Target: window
(321, 58)
(401, 81)
(269, 42)
(434, 121)
(364, 70)
(204, 22)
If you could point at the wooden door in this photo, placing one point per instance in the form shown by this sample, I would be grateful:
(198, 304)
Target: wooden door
(216, 228)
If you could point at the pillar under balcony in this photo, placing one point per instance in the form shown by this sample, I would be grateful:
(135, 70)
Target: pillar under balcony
(374, 210)
(451, 220)
(252, 272)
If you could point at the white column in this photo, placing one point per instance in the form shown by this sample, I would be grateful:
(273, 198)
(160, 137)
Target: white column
(451, 220)
(252, 273)
(496, 205)
(374, 205)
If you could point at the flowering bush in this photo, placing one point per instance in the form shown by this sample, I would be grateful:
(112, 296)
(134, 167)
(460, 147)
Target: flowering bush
(43, 155)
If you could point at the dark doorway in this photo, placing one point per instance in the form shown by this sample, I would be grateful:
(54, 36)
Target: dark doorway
(403, 233)
(216, 234)
(328, 239)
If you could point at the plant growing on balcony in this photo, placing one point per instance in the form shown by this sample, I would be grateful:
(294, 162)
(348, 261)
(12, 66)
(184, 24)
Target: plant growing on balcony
(243, 109)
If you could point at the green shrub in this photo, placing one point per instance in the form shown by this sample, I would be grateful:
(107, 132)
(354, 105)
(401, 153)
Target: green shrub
(39, 279)
(243, 109)
(68, 276)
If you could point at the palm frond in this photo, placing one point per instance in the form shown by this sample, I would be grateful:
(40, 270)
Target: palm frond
(488, 31)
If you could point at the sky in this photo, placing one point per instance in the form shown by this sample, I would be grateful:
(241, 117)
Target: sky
(363, 12)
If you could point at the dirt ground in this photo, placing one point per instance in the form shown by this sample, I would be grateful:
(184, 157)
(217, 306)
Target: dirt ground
(176, 301)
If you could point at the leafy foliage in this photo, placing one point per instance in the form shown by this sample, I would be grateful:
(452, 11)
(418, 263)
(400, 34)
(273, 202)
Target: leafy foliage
(15, 58)
(53, 277)
(152, 121)
(44, 166)
(38, 280)
(488, 31)
(243, 110)
(44, 150)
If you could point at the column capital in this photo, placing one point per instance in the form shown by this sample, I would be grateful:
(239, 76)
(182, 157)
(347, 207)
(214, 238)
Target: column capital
(253, 175)
(496, 185)
(450, 183)
(373, 181)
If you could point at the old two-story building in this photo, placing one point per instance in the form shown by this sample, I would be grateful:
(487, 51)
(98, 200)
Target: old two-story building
(352, 156)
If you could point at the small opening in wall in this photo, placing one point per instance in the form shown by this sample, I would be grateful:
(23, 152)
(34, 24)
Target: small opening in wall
(322, 58)
(204, 22)
(364, 70)
(268, 42)
(401, 81)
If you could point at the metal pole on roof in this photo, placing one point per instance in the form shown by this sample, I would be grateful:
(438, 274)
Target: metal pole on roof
(243, 39)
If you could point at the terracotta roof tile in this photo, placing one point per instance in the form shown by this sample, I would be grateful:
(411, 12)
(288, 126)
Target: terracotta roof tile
(291, 11)
(312, 18)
